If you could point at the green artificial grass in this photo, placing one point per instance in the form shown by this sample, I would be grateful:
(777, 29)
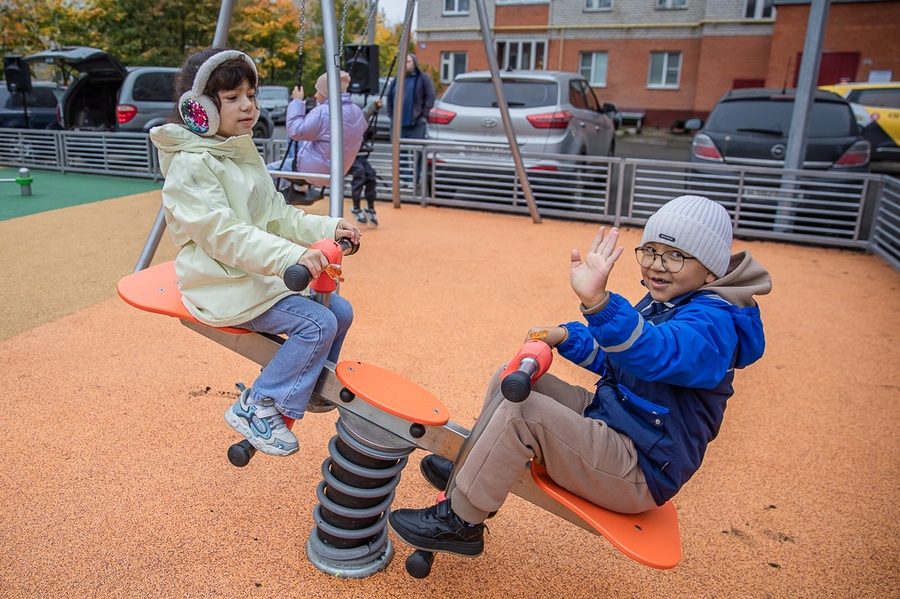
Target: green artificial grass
(51, 190)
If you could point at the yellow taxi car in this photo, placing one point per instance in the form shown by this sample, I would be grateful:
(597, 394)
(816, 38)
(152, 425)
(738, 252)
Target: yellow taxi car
(877, 110)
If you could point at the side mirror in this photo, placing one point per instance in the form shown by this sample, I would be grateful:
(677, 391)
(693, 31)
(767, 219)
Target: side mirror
(693, 125)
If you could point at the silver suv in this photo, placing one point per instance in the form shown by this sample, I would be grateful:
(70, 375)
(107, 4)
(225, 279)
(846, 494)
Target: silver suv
(145, 98)
(551, 112)
(104, 95)
(275, 99)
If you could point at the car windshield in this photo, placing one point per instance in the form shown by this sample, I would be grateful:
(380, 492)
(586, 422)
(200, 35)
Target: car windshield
(882, 98)
(518, 94)
(829, 119)
(273, 93)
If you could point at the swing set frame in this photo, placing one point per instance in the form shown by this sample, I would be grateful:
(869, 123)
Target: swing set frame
(332, 68)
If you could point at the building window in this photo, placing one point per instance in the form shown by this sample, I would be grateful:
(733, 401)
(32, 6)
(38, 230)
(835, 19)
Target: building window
(759, 9)
(521, 55)
(669, 4)
(456, 7)
(665, 70)
(452, 64)
(593, 67)
(598, 4)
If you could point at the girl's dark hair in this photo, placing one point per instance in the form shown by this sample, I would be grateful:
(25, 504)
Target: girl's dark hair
(228, 75)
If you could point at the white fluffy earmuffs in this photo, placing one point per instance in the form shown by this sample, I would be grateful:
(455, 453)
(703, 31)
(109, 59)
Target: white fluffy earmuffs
(198, 111)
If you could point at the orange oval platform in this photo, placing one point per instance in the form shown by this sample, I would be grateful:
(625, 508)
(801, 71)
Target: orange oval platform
(392, 393)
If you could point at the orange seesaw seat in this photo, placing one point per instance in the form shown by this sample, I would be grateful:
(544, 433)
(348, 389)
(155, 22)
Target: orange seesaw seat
(155, 289)
(650, 538)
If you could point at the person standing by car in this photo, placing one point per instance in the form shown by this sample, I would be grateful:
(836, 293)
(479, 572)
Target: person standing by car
(418, 99)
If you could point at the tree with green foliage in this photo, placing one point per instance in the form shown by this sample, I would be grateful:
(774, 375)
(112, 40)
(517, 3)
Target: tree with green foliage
(162, 33)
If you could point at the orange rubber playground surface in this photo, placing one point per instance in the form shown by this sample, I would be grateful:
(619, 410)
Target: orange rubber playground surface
(115, 483)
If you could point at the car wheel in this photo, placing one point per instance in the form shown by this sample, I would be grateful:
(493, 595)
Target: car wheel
(261, 130)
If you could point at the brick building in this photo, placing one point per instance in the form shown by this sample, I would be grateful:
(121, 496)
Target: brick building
(669, 59)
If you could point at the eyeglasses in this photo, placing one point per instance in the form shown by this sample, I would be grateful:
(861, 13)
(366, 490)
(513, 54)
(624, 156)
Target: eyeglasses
(672, 261)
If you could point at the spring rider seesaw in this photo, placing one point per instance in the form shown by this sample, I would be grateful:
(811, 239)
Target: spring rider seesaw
(384, 417)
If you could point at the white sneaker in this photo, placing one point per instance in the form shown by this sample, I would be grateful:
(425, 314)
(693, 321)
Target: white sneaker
(263, 425)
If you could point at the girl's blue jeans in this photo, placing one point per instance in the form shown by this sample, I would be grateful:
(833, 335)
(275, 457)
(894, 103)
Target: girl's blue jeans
(315, 333)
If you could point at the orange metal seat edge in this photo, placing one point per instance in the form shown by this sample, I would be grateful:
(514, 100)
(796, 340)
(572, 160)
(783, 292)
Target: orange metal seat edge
(155, 289)
(651, 537)
(392, 393)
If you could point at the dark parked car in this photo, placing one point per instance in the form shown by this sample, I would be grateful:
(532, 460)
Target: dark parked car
(41, 102)
(104, 95)
(750, 127)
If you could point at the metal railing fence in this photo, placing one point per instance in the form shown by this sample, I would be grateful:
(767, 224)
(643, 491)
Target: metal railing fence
(817, 207)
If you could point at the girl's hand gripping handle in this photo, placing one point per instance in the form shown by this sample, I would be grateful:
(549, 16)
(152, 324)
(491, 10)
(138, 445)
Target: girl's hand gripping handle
(532, 361)
(297, 277)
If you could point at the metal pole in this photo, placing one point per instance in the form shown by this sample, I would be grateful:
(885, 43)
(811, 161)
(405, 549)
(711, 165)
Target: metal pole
(397, 117)
(802, 114)
(504, 109)
(373, 12)
(159, 227)
(220, 39)
(333, 68)
(156, 233)
(806, 84)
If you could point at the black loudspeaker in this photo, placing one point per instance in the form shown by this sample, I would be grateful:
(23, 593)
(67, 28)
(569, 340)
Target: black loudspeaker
(361, 61)
(18, 77)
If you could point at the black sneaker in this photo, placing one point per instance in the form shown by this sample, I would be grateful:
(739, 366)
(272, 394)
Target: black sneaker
(373, 220)
(436, 470)
(437, 528)
(358, 215)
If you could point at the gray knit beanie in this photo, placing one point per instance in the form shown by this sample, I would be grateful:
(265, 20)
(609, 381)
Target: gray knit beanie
(697, 226)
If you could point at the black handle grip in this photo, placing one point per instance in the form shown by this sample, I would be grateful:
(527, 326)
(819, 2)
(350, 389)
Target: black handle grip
(516, 386)
(297, 277)
(348, 247)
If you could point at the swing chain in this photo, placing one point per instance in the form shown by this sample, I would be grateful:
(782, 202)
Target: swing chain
(300, 53)
(340, 48)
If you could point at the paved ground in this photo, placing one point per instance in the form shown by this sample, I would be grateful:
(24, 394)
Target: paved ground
(115, 484)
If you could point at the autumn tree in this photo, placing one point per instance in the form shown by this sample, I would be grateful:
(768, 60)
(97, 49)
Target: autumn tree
(162, 32)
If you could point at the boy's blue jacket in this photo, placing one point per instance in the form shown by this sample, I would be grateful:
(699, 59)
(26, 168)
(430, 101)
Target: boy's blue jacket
(667, 368)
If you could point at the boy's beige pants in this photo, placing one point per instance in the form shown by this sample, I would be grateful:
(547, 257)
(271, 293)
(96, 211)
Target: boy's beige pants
(581, 454)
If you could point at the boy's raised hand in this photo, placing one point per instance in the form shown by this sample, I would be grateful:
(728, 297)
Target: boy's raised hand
(590, 275)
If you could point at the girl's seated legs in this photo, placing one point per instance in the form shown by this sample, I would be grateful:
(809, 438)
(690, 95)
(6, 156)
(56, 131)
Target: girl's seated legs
(315, 333)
